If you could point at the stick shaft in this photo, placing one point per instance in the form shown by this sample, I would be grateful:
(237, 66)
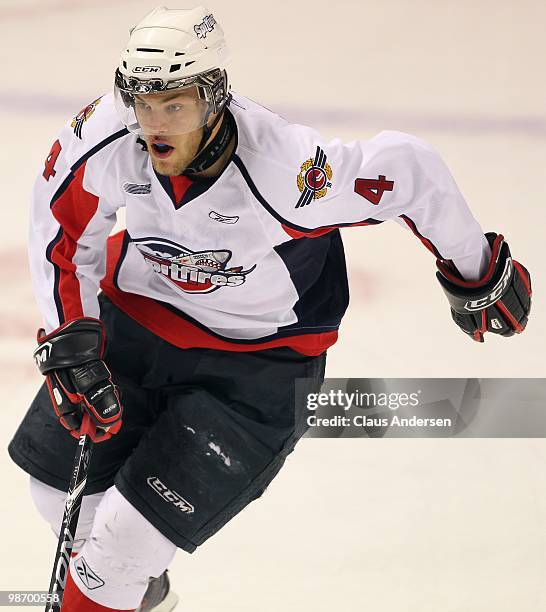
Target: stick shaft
(70, 522)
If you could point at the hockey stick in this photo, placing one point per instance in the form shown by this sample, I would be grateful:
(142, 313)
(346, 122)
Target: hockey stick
(70, 522)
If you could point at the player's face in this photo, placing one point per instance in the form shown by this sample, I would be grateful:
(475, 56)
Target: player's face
(171, 122)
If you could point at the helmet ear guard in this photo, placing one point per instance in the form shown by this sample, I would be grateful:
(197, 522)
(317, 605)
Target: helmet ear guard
(220, 91)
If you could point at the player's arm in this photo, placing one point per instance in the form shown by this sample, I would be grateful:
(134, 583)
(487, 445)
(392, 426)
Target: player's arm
(70, 221)
(398, 177)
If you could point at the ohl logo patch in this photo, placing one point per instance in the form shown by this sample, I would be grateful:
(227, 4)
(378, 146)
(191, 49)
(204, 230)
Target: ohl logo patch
(83, 116)
(190, 271)
(314, 178)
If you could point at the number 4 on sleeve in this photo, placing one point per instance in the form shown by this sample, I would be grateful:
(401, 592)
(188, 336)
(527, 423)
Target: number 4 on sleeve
(373, 189)
(51, 159)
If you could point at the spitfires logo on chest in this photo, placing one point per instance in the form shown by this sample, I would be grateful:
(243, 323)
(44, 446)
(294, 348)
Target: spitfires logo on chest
(191, 271)
(83, 116)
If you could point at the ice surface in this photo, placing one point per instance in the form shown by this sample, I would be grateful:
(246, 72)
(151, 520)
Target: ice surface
(412, 525)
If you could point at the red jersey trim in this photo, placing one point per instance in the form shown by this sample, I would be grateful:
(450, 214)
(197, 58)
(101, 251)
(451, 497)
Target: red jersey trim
(427, 243)
(73, 210)
(180, 185)
(316, 233)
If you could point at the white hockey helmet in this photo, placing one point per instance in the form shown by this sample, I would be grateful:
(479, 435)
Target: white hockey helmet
(169, 51)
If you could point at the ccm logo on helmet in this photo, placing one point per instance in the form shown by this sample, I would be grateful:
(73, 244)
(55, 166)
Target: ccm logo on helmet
(147, 69)
(497, 292)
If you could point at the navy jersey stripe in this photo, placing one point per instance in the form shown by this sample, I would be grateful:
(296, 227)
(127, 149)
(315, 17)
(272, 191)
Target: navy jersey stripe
(56, 275)
(124, 247)
(318, 271)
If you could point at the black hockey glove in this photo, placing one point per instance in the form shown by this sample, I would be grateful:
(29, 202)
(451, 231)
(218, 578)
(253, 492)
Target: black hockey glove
(499, 302)
(80, 385)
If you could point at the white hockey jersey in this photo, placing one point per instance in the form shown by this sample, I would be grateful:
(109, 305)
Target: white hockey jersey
(251, 259)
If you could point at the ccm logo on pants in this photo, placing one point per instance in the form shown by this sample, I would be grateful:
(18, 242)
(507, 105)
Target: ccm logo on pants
(171, 496)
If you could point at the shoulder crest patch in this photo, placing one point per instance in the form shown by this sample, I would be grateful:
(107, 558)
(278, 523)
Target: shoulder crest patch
(314, 178)
(83, 116)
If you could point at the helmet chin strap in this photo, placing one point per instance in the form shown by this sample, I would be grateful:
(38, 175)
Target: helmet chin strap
(209, 154)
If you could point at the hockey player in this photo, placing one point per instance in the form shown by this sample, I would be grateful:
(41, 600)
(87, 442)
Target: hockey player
(227, 284)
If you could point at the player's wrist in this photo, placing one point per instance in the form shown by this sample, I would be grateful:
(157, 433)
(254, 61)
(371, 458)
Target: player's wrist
(464, 295)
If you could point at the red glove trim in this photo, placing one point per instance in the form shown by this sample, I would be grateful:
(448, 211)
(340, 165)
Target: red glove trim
(509, 317)
(478, 334)
(524, 276)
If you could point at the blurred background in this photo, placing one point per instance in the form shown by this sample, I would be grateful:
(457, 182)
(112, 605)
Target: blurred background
(413, 525)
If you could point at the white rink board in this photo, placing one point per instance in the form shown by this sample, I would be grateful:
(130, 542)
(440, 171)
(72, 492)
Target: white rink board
(409, 525)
